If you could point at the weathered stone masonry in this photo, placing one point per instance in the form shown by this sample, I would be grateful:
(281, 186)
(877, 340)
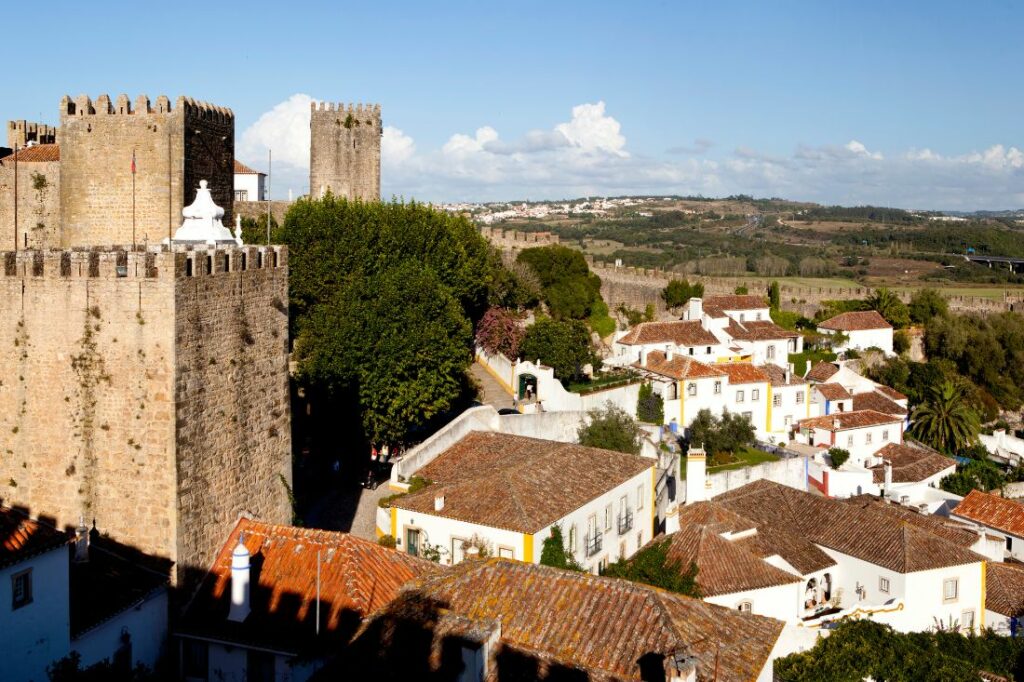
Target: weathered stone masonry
(344, 152)
(146, 390)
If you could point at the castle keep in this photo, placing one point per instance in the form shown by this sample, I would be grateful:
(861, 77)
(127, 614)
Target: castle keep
(344, 153)
(143, 387)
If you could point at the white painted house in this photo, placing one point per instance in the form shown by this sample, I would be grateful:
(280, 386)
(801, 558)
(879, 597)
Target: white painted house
(864, 329)
(998, 516)
(502, 494)
(60, 593)
(250, 185)
(1004, 598)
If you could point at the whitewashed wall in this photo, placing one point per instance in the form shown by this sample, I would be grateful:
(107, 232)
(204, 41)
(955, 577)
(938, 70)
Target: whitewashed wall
(37, 634)
(145, 623)
(789, 472)
(780, 601)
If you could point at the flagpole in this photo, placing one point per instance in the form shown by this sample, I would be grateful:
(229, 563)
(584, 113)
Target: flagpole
(133, 200)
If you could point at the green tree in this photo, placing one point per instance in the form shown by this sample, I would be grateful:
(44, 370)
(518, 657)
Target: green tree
(650, 566)
(889, 306)
(926, 304)
(774, 294)
(610, 428)
(562, 345)
(553, 552)
(568, 288)
(724, 434)
(650, 407)
(254, 230)
(741, 290)
(976, 474)
(678, 293)
(838, 456)
(945, 421)
(901, 341)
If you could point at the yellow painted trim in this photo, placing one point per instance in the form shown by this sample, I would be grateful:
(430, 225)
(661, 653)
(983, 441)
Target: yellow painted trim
(379, 533)
(807, 399)
(527, 548)
(681, 392)
(394, 522)
(858, 612)
(768, 419)
(504, 384)
(394, 488)
(984, 578)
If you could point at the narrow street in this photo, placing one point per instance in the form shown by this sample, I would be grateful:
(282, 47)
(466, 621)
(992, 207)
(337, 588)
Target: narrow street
(491, 391)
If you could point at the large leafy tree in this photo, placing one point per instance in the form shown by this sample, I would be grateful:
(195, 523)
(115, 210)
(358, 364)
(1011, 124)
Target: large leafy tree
(926, 304)
(945, 421)
(722, 434)
(976, 474)
(678, 292)
(500, 331)
(382, 299)
(610, 428)
(562, 345)
(889, 306)
(568, 287)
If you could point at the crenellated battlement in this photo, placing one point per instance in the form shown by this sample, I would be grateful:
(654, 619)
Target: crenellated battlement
(359, 110)
(140, 263)
(22, 133)
(83, 105)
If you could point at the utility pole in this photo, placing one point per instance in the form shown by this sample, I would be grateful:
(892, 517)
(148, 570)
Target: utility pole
(270, 166)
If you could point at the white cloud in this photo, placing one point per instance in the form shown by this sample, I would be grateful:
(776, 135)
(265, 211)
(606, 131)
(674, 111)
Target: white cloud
(587, 155)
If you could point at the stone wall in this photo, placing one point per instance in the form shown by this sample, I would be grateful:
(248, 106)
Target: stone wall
(21, 133)
(174, 148)
(140, 392)
(344, 152)
(258, 210)
(231, 388)
(38, 204)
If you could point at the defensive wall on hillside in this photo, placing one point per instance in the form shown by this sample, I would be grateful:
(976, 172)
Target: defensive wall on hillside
(636, 287)
(146, 390)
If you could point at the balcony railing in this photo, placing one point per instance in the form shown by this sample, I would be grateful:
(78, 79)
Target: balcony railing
(625, 521)
(592, 543)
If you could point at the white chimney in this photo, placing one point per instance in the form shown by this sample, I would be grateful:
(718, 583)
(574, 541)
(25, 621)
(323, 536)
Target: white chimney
(669, 352)
(438, 502)
(240, 596)
(643, 357)
(835, 423)
(696, 472)
(680, 667)
(887, 485)
(695, 309)
(81, 542)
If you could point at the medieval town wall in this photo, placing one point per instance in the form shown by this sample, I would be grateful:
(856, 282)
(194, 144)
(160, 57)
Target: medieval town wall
(22, 133)
(174, 148)
(233, 428)
(38, 224)
(344, 152)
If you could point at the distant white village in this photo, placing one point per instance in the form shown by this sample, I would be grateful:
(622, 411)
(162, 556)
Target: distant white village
(490, 213)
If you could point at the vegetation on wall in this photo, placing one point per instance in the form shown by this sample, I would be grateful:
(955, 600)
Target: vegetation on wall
(554, 553)
(650, 566)
(650, 407)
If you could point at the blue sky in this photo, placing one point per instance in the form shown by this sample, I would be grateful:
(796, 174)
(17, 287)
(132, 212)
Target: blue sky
(913, 104)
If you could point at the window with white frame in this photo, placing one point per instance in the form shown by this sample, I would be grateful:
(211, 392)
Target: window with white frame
(745, 606)
(967, 619)
(506, 553)
(640, 496)
(755, 394)
(777, 400)
(883, 585)
(572, 538)
(799, 398)
(867, 438)
(950, 590)
(608, 517)
(885, 434)
(749, 416)
(691, 388)
(770, 353)
(21, 589)
(739, 396)
(718, 387)
(849, 441)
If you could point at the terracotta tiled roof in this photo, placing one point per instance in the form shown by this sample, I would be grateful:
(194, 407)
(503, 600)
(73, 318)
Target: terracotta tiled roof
(715, 516)
(22, 538)
(833, 391)
(765, 330)
(680, 367)
(822, 371)
(242, 169)
(737, 302)
(885, 538)
(909, 464)
(744, 373)
(357, 577)
(849, 420)
(681, 333)
(585, 626)
(1004, 589)
(856, 321)
(518, 483)
(37, 153)
(890, 393)
(723, 566)
(778, 376)
(949, 529)
(992, 511)
(873, 400)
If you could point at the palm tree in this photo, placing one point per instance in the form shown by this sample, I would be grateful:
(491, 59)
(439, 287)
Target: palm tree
(945, 421)
(889, 306)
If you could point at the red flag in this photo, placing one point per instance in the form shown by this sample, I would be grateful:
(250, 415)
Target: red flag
(133, 162)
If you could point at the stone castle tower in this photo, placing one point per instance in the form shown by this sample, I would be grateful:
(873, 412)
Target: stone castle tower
(145, 387)
(344, 152)
(174, 148)
(23, 133)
